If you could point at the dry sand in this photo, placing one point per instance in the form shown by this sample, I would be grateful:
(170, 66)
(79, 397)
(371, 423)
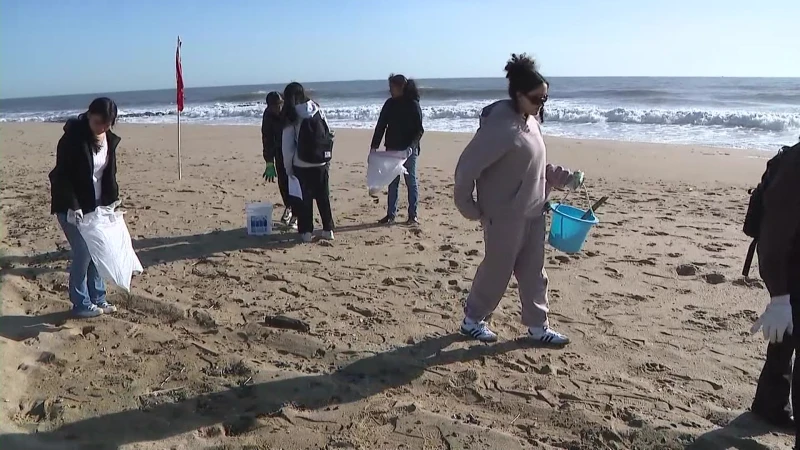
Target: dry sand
(658, 360)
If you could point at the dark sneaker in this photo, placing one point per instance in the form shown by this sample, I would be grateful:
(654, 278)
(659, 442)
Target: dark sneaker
(388, 220)
(781, 419)
(412, 221)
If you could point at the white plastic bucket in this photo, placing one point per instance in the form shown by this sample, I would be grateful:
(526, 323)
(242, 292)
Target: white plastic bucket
(259, 218)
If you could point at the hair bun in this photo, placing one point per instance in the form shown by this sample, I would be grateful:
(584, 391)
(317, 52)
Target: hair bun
(519, 64)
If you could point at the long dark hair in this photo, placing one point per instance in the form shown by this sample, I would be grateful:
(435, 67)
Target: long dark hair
(273, 98)
(410, 90)
(523, 76)
(293, 94)
(104, 108)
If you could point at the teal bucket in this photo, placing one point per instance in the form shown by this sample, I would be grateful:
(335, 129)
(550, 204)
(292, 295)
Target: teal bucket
(568, 232)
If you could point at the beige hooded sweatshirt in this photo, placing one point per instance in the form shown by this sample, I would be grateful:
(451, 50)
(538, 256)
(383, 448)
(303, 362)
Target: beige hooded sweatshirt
(507, 162)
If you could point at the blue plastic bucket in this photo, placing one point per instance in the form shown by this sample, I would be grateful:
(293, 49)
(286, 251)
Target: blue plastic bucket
(568, 232)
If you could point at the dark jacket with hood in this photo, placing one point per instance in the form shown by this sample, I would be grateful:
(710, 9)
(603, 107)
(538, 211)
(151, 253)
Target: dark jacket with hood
(401, 120)
(271, 137)
(71, 185)
(779, 240)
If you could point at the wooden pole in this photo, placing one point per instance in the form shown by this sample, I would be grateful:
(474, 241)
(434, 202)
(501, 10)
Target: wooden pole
(180, 168)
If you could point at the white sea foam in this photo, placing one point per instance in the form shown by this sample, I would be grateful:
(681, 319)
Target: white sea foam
(707, 126)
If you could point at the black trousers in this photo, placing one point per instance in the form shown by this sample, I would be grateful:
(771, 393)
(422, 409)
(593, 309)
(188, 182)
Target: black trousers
(777, 378)
(314, 183)
(283, 180)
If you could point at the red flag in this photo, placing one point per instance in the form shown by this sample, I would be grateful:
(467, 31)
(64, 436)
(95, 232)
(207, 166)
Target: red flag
(179, 75)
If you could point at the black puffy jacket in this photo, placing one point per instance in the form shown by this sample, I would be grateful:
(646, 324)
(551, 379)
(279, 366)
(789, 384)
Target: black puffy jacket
(71, 185)
(401, 121)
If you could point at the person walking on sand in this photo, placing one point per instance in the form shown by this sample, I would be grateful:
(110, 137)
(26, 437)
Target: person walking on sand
(85, 177)
(271, 140)
(506, 162)
(307, 146)
(401, 122)
(777, 211)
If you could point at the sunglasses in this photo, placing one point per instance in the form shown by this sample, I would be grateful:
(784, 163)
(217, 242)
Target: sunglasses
(538, 100)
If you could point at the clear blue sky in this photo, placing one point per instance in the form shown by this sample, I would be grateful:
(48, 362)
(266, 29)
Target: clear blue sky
(50, 47)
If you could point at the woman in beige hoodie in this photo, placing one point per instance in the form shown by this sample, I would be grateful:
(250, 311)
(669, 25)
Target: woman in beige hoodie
(506, 162)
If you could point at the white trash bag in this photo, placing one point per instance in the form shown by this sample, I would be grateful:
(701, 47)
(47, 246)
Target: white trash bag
(110, 245)
(383, 168)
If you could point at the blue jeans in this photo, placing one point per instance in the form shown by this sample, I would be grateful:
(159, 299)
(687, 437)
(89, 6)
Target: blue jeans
(411, 184)
(85, 285)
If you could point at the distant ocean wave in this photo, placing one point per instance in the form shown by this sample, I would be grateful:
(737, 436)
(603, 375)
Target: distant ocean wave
(247, 97)
(555, 112)
(730, 112)
(244, 97)
(429, 93)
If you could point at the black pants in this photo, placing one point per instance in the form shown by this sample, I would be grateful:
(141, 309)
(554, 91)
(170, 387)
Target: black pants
(314, 184)
(778, 379)
(283, 180)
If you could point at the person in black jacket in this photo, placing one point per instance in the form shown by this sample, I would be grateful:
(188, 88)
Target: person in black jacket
(779, 266)
(85, 177)
(401, 121)
(271, 138)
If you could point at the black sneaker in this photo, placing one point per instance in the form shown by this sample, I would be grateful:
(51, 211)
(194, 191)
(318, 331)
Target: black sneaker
(781, 419)
(388, 220)
(412, 221)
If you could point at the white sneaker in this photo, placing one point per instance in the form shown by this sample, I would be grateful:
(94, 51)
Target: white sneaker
(547, 335)
(306, 237)
(88, 313)
(107, 308)
(327, 235)
(478, 330)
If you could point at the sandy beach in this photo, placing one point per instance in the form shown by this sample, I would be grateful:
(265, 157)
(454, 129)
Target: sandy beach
(656, 307)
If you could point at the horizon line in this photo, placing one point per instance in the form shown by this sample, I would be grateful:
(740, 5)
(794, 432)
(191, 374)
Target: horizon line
(366, 80)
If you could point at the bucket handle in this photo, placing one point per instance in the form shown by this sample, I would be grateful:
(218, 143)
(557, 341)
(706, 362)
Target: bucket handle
(586, 196)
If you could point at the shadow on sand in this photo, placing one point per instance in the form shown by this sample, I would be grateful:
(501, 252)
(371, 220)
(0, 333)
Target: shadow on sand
(20, 328)
(152, 251)
(737, 435)
(238, 408)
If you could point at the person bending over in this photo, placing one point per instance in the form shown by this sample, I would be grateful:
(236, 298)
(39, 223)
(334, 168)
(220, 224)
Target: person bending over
(85, 177)
(271, 140)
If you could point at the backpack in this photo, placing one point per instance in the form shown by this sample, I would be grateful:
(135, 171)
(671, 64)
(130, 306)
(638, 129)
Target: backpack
(314, 140)
(755, 208)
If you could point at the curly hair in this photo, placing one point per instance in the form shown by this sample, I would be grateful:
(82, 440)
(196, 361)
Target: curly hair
(523, 76)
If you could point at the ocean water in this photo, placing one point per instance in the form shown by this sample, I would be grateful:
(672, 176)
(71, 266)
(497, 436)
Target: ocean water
(760, 113)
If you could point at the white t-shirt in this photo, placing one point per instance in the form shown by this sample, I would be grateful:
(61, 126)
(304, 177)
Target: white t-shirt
(99, 161)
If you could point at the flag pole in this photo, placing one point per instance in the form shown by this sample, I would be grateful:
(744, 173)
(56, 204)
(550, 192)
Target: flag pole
(180, 101)
(180, 168)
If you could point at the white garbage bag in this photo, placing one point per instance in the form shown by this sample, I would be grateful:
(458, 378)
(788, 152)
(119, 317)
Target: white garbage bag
(383, 168)
(110, 245)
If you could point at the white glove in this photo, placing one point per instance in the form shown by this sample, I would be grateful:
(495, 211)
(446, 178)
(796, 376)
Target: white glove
(776, 320)
(73, 217)
(575, 180)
